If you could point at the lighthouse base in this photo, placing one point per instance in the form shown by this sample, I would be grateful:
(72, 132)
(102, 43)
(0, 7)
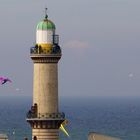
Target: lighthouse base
(45, 134)
(45, 128)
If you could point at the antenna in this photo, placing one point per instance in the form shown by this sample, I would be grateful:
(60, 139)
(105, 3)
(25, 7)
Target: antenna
(46, 11)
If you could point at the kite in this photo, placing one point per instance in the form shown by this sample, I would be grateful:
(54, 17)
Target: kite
(65, 122)
(4, 80)
(64, 130)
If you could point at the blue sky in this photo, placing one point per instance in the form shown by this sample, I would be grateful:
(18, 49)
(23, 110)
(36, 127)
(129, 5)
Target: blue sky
(100, 40)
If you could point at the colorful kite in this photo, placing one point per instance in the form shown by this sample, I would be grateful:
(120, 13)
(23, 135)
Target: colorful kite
(64, 130)
(4, 80)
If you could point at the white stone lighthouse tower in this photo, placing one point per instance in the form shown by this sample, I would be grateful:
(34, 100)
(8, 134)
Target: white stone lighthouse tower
(44, 116)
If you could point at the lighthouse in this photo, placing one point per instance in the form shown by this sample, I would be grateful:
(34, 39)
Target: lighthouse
(44, 116)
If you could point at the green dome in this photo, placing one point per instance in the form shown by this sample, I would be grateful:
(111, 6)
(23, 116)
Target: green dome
(46, 25)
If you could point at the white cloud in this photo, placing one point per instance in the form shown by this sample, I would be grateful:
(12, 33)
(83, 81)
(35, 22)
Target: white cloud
(76, 44)
(131, 75)
(17, 89)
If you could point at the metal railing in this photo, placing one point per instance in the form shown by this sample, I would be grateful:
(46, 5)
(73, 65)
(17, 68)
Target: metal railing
(46, 115)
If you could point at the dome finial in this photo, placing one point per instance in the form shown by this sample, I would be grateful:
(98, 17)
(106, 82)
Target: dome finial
(46, 15)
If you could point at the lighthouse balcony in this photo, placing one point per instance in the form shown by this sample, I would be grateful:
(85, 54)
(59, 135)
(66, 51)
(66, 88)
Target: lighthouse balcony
(37, 49)
(46, 116)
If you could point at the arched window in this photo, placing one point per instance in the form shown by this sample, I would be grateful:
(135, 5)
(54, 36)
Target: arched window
(35, 138)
